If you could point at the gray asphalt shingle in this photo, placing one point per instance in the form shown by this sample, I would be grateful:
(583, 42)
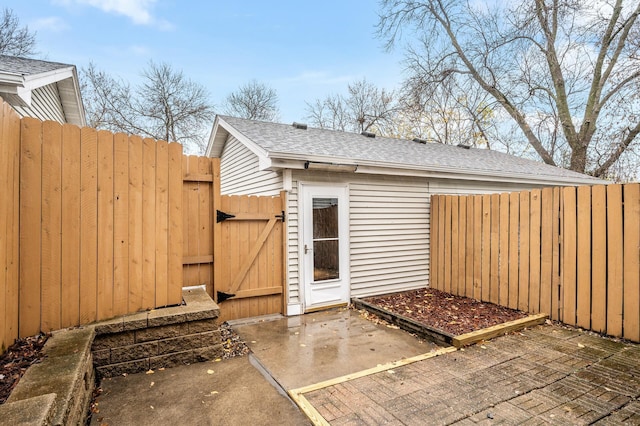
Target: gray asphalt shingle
(26, 66)
(353, 148)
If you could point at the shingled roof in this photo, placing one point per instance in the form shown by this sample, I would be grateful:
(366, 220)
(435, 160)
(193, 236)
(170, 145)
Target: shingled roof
(27, 66)
(283, 141)
(24, 80)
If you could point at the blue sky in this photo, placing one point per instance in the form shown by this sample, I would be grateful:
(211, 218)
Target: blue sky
(304, 50)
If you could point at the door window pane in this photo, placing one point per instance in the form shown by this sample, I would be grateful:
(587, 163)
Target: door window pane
(326, 247)
(325, 218)
(326, 260)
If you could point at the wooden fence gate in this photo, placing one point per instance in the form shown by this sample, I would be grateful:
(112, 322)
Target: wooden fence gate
(249, 256)
(233, 245)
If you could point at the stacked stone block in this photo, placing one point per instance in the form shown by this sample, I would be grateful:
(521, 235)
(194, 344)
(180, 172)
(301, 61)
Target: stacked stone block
(159, 338)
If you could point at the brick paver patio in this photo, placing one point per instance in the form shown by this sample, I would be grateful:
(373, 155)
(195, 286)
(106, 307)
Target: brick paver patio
(545, 375)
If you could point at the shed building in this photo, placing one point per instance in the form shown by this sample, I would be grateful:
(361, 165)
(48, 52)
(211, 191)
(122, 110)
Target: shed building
(358, 204)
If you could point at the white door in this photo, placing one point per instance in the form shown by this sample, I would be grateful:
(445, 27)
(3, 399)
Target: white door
(324, 246)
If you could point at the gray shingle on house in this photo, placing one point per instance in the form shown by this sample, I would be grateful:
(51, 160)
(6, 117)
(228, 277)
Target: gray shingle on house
(286, 141)
(42, 89)
(27, 66)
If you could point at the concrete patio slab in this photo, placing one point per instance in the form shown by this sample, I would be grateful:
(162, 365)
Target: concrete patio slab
(307, 349)
(229, 392)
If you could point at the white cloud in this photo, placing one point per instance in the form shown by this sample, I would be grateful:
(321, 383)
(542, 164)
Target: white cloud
(139, 11)
(51, 23)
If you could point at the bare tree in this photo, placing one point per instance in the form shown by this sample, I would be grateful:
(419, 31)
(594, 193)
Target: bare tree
(366, 108)
(255, 101)
(576, 63)
(165, 105)
(14, 39)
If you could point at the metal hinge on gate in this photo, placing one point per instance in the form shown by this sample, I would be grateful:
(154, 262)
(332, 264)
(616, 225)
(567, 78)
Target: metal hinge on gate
(222, 216)
(282, 216)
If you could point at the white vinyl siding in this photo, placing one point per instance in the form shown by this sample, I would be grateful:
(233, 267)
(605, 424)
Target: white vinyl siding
(388, 232)
(45, 105)
(389, 236)
(239, 173)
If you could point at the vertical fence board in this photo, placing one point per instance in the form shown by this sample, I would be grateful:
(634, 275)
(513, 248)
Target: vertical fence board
(136, 224)
(599, 258)
(469, 255)
(11, 135)
(162, 225)
(6, 204)
(51, 225)
(614, 260)
(514, 249)
(174, 290)
(88, 225)
(534, 251)
(477, 247)
(523, 278)
(555, 267)
(30, 225)
(495, 241)
(546, 249)
(503, 288)
(583, 277)
(205, 221)
(434, 262)
(120, 223)
(446, 282)
(631, 308)
(452, 286)
(462, 243)
(148, 223)
(71, 259)
(569, 239)
(441, 247)
(485, 285)
(105, 225)
(215, 205)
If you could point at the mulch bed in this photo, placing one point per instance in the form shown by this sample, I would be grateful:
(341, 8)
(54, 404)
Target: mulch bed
(15, 361)
(443, 311)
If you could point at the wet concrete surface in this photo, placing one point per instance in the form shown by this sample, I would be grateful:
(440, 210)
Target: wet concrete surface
(307, 349)
(229, 392)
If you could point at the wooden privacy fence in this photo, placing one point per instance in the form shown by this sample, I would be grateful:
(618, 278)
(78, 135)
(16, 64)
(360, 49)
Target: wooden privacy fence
(573, 253)
(94, 225)
(100, 225)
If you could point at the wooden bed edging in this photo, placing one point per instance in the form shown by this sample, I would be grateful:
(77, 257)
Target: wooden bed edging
(440, 336)
(406, 323)
(498, 330)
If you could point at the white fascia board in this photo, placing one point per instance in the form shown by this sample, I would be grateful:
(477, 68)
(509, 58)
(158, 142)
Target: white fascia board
(38, 80)
(216, 143)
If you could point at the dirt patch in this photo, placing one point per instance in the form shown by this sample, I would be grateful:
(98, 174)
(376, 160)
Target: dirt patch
(443, 311)
(15, 361)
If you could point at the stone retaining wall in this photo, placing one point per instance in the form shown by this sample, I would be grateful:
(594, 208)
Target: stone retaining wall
(159, 338)
(58, 390)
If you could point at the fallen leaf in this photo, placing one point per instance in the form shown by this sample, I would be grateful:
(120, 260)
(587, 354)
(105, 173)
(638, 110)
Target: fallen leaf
(483, 347)
(580, 345)
(161, 369)
(151, 384)
(210, 371)
(150, 371)
(151, 407)
(217, 360)
(302, 345)
(214, 392)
